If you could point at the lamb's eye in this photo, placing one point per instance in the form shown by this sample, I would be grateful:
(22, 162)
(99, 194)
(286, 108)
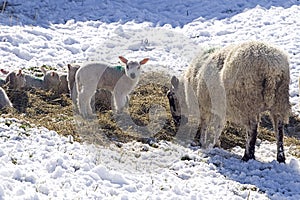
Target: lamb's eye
(139, 67)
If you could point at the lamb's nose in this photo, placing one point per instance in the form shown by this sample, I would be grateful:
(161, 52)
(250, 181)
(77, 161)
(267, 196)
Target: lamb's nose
(132, 75)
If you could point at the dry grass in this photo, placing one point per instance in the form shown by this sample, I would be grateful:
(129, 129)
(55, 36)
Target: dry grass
(55, 112)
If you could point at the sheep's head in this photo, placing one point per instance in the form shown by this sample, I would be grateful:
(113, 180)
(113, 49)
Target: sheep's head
(133, 68)
(175, 96)
(72, 69)
(51, 80)
(15, 80)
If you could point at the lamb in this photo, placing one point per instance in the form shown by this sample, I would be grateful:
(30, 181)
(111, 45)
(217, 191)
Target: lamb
(51, 79)
(33, 82)
(101, 97)
(237, 84)
(54, 81)
(63, 84)
(15, 80)
(120, 82)
(4, 100)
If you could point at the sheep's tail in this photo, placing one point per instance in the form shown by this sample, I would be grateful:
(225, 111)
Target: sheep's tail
(276, 95)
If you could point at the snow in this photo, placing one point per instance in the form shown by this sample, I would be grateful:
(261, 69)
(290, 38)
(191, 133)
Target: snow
(36, 163)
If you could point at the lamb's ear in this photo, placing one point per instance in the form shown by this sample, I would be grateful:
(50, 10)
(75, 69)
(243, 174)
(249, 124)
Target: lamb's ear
(124, 60)
(175, 82)
(144, 61)
(69, 66)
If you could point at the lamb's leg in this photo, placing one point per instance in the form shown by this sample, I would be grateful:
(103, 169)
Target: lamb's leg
(279, 129)
(251, 132)
(120, 100)
(84, 102)
(73, 94)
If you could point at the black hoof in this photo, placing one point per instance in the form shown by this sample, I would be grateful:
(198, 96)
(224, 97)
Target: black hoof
(281, 157)
(248, 157)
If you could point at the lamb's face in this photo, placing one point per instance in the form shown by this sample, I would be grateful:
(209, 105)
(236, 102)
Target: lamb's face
(51, 80)
(133, 70)
(21, 80)
(16, 80)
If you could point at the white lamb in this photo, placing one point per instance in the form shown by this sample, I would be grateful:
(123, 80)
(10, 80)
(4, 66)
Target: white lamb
(99, 75)
(33, 82)
(237, 84)
(30, 80)
(63, 84)
(15, 80)
(4, 100)
(54, 81)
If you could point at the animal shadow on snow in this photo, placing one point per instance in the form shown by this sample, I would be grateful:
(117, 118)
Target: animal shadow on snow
(269, 178)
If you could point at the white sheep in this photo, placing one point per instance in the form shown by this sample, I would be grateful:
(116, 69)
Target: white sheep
(15, 80)
(237, 84)
(120, 82)
(4, 100)
(54, 81)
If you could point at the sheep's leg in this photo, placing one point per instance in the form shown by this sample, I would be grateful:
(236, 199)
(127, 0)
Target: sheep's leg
(200, 131)
(279, 129)
(215, 129)
(196, 141)
(251, 132)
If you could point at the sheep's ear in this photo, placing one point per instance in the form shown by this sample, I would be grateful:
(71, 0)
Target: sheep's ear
(144, 61)
(69, 66)
(3, 71)
(175, 82)
(124, 60)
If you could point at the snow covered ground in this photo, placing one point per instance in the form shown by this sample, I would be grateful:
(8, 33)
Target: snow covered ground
(36, 163)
